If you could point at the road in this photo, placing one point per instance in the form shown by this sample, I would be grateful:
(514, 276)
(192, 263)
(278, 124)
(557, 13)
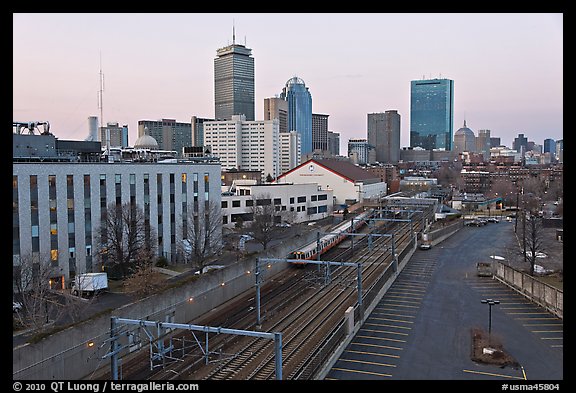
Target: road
(421, 329)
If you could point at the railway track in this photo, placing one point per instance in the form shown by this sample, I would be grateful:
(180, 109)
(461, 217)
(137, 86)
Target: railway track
(296, 304)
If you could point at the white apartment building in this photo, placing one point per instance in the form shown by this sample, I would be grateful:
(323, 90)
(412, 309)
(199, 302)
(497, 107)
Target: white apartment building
(290, 150)
(245, 145)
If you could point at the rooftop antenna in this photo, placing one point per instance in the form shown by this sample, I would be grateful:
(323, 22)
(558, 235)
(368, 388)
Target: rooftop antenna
(233, 33)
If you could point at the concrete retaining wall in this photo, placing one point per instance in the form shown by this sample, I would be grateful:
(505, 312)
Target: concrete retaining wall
(66, 355)
(540, 293)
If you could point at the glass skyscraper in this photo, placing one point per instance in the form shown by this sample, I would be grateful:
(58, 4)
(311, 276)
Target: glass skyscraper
(299, 111)
(234, 82)
(432, 113)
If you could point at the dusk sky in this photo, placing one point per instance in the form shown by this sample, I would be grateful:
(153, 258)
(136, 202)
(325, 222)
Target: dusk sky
(507, 68)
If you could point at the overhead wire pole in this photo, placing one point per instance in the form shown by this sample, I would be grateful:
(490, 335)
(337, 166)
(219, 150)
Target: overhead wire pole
(115, 321)
(358, 265)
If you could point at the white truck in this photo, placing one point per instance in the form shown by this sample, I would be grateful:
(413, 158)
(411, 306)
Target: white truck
(89, 284)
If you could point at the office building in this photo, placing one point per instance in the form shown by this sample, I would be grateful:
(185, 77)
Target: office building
(520, 144)
(464, 140)
(289, 150)
(384, 135)
(432, 113)
(334, 143)
(294, 203)
(114, 135)
(58, 207)
(234, 82)
(170, 134)
(319, 132)
(245, 145)
(197, 126)
(360, 151)
(277, 108)
(299, 111)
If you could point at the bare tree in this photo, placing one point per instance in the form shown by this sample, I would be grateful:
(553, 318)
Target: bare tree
(122, 235)
(145, 279)
(31, 286)
(263, 224)
(202, 234)
(532, 239)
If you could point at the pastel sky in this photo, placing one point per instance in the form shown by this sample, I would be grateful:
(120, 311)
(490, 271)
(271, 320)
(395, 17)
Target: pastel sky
(507, 67)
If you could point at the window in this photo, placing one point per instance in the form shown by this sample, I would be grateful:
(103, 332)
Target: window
(323, 197)
(277, 201)
(249, 202)
(235, 203)
(323, 209)
(224, 204)
(291, 200)
(313, 198)
(301, 199)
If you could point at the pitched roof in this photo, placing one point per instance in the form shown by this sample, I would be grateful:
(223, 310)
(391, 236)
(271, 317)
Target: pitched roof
(343, 168)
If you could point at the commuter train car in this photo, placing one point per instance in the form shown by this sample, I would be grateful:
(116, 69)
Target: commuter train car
(328, 241)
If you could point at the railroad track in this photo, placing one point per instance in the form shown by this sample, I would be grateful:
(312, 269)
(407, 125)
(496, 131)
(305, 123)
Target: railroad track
(302, 312)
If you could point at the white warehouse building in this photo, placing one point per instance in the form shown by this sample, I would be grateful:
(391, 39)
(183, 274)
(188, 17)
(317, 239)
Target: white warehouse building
(348, 182)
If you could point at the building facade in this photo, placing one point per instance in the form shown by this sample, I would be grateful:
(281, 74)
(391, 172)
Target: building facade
(360, 151)
(483, 144)
(245, 145)
(114, 133)
(168, 133)
(299, 111)
(384, 135)
(234, 82)
(277, 108)
(293, 203)
(348, 182)
(58, 207)
(432, 113)
(319, 131)
(334, 143)
(464, 140)
(197, 129)
(290, 153)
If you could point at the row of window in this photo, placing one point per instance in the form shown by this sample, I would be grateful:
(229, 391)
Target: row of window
(277, 201)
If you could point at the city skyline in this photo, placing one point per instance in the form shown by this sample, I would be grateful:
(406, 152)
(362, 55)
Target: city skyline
(507, 68)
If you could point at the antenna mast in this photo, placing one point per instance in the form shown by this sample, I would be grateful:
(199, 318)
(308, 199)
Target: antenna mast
(100, 93)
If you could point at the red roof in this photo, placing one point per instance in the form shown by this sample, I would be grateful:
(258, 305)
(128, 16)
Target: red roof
(342, 168)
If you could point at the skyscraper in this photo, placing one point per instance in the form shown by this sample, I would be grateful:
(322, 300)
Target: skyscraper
(299, 111)
(277, 108)
(319, 131)
(384, 135)
(432, 113)
(234, 82)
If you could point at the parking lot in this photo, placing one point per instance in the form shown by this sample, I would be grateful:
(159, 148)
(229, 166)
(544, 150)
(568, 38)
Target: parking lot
(422, 327)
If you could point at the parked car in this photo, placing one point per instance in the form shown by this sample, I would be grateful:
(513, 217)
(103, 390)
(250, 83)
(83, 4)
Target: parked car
(493, 219)
(425, 246)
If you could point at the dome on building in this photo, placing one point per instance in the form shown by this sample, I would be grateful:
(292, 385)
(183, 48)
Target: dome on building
(146, 141)
(464, 140)
(465, 131)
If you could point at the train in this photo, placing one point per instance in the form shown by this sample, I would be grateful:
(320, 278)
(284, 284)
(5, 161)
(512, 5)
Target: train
(336, 235)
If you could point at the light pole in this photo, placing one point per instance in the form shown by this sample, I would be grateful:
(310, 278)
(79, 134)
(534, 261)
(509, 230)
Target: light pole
(490, 303)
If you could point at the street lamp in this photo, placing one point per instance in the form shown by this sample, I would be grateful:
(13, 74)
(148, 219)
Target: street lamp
(490, 303)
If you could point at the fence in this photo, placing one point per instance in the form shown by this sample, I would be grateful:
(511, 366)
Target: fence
(545, 295)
